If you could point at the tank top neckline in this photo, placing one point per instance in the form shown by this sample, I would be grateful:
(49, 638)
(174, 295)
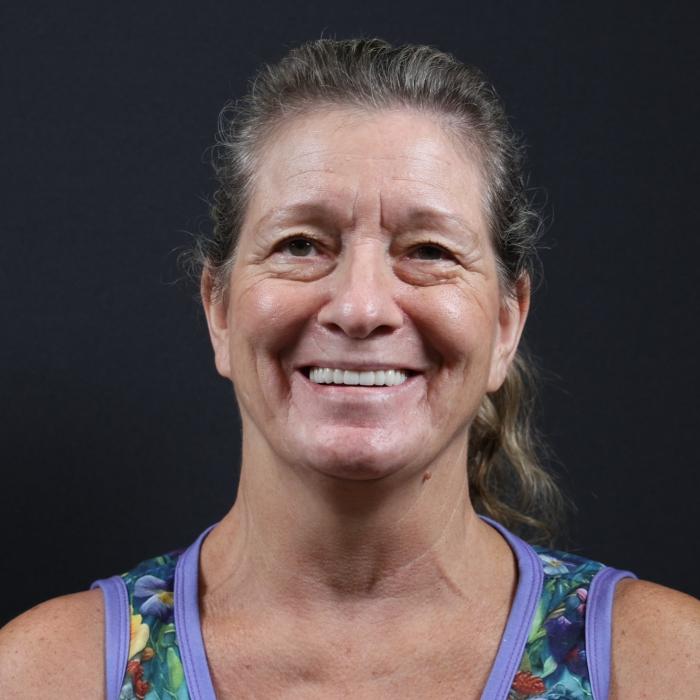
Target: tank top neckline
(503, 669)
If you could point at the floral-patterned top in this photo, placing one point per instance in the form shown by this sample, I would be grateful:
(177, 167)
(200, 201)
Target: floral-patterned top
(553, 665)
(154, 668)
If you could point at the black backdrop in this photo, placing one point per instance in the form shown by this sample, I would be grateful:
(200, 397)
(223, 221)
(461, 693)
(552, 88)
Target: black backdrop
(119, 440)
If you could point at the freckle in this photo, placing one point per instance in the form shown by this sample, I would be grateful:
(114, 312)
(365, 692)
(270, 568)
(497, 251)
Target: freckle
(426, 476)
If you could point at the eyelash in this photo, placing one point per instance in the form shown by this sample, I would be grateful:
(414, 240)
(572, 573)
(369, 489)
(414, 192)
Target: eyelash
(296, 237)
(433, 244)
(313, 242)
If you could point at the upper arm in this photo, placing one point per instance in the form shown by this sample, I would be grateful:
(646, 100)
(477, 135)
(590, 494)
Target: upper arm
(655, 643)
(56, 649)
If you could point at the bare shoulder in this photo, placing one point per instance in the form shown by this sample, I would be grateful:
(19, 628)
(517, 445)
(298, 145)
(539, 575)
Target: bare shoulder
(56, 649)
(655, 642)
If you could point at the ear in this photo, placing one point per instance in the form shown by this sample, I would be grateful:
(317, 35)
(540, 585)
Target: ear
(511, 321)
(216, 311)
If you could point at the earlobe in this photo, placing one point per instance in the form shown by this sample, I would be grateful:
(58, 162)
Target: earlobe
(511, 322)
(216, 312)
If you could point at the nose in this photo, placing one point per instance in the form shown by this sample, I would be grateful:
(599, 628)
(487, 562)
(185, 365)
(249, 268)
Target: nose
(362, 299)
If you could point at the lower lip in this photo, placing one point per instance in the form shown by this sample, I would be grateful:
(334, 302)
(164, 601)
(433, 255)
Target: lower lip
(359, 391)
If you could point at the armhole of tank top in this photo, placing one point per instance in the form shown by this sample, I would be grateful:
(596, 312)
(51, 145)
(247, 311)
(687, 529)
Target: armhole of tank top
(599, 628)
(117, 632)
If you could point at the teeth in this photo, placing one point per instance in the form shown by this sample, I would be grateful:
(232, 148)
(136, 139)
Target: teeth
(380, 377)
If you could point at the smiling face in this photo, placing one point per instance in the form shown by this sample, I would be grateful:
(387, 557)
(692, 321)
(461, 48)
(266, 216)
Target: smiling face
(363, 322)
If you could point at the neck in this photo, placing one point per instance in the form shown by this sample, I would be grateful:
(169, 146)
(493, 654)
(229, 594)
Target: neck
(303, 542)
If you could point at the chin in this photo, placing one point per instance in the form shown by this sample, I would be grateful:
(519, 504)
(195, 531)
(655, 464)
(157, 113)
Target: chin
(358, 455)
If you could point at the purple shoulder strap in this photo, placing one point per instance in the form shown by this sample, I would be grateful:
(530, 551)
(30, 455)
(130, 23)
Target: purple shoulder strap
(187, 623)
(529, 589)
(598, 624)
(599, 628)
(117, 632)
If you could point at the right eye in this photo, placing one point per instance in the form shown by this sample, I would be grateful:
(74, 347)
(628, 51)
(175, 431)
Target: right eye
(297, 246)
(430, 251)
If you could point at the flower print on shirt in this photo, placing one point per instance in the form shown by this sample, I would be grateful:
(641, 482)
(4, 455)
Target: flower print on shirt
(158, 596)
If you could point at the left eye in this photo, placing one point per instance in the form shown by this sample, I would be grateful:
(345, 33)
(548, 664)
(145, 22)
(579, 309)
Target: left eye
(430, 251)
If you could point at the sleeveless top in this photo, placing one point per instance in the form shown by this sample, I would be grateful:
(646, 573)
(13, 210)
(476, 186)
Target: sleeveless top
(555, 646)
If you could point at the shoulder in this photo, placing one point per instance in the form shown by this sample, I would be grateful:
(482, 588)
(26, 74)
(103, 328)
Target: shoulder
(655, 638)
(55, 649)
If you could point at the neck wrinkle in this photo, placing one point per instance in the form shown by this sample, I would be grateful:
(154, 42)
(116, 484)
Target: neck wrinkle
(423, 546)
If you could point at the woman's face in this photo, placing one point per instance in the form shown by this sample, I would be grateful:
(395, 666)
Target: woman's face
(364, 254)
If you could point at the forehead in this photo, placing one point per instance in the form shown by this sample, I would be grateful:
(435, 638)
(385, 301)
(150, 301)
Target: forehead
(360, 162)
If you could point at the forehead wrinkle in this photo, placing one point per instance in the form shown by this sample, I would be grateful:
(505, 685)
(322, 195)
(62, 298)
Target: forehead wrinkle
(320, 153)
(437, 211)
(419, 181)
(363, 209)
(310, 170)
(355, 201)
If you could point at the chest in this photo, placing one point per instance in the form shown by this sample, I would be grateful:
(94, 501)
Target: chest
(413, 662)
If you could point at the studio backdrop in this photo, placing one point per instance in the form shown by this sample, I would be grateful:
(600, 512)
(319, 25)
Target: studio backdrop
(119, 439)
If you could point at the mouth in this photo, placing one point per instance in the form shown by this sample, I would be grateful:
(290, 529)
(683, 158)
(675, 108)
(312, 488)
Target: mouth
(357, 377)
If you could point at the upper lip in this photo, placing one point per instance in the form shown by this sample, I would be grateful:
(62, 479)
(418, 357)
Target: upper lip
(359, 366)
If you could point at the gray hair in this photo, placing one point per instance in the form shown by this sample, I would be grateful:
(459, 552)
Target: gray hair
(506, 479)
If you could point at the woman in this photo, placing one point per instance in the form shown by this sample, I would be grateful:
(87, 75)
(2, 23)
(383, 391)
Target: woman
(365, 292)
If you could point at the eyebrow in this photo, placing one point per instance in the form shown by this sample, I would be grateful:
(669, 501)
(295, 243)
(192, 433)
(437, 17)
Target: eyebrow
(322, 214)
(307, 212)
(430, 216)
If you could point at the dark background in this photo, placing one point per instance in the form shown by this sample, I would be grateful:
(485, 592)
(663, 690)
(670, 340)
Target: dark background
(120, 441)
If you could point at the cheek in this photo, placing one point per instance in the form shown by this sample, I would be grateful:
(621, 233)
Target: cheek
(267, 316)
(455, 323)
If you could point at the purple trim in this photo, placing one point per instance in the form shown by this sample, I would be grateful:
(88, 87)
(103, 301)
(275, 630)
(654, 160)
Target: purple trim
(505, 666)
(522, 612)
(529, 588)
(187, 625)
(117, 632)
(599, 628)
